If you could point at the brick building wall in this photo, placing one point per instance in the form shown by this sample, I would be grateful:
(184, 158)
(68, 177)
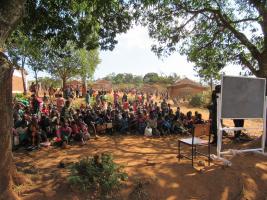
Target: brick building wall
(17, 82)
(184, 91)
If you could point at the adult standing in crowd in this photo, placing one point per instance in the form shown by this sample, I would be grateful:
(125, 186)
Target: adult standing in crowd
(87, 98)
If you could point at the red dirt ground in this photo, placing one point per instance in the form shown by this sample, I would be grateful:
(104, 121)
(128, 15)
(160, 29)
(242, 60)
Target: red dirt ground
(152, 162)
(149, 160)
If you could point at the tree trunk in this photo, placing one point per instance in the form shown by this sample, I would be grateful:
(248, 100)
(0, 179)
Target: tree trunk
(36, 82)
(84, 86)
(262, 73)
(6, 72)
(11, 12)
(64, 80)
(23, 77)
(36, 77)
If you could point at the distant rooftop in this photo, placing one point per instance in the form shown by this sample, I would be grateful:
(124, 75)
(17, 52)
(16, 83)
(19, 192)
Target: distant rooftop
(186, 81)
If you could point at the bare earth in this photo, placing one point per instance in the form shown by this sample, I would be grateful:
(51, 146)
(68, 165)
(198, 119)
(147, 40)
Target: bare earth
(151, 161)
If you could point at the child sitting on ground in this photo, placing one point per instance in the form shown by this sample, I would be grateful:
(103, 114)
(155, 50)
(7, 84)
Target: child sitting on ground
(34, 134)
(198, 119)
(152, 123)
(141, 121)
(63, 133)
(188, 121)
(76, 133)
(83, 129)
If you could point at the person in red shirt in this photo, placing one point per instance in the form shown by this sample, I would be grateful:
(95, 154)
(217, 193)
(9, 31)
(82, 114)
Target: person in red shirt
(125, 105)
(116, 98)
(63, 133)
(45, 110)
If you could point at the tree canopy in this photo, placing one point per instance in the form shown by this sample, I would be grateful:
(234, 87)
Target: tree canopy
(235, 30)
(89, 24)
(124, 78)
(88, 61)
(150, 78)
(62, 62)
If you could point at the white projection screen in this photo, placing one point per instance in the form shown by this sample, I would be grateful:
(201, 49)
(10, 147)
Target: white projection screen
(242, 97)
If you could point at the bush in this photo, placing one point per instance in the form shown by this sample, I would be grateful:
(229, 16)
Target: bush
(19, 96)
(197, 100)
(98, 173)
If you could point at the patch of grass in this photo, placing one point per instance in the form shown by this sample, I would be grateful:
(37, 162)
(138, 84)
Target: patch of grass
(99, 173)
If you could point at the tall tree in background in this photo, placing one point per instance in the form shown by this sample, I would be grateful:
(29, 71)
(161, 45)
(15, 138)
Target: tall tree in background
(151, 77)
(23, 51)
(88, 24)
(208, 74)
(63, 62)
(36, 59)
(236, 29)
(208, 64)
(125, 78)
(88, 61)
(18, 46)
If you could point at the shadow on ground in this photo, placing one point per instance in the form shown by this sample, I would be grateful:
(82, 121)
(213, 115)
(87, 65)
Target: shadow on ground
(152, 159)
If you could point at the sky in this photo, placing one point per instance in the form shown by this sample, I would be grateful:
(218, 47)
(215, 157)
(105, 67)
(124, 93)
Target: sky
(133, 55)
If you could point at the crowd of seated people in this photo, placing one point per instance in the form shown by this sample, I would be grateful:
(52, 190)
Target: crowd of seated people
(43, 122)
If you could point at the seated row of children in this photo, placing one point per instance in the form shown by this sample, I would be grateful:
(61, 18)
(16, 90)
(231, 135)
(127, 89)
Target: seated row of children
(36, 124)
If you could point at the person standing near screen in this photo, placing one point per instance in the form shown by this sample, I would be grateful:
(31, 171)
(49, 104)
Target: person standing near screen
(213, 112)
(238, 123)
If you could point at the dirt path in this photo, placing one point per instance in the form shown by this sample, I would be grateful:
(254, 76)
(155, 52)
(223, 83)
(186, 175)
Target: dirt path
(151, 160)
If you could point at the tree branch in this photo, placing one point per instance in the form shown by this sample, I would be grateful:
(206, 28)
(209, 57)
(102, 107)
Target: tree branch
(261, 8)
(226, 22)
(245, 62)
(210, 42)
(189, 20)
(245, 20)
(239, 35)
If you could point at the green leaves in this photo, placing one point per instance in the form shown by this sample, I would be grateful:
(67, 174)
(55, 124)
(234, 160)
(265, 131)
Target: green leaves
(151, 78)
(88, 61)
(90, 24)
(70, 61)
(220, 30)
(100, 173)
(62, 62)
(26, 51)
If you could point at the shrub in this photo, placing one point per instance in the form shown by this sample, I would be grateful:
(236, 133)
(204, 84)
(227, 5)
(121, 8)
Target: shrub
(197, 100)
(98, 173)
(21, 96)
